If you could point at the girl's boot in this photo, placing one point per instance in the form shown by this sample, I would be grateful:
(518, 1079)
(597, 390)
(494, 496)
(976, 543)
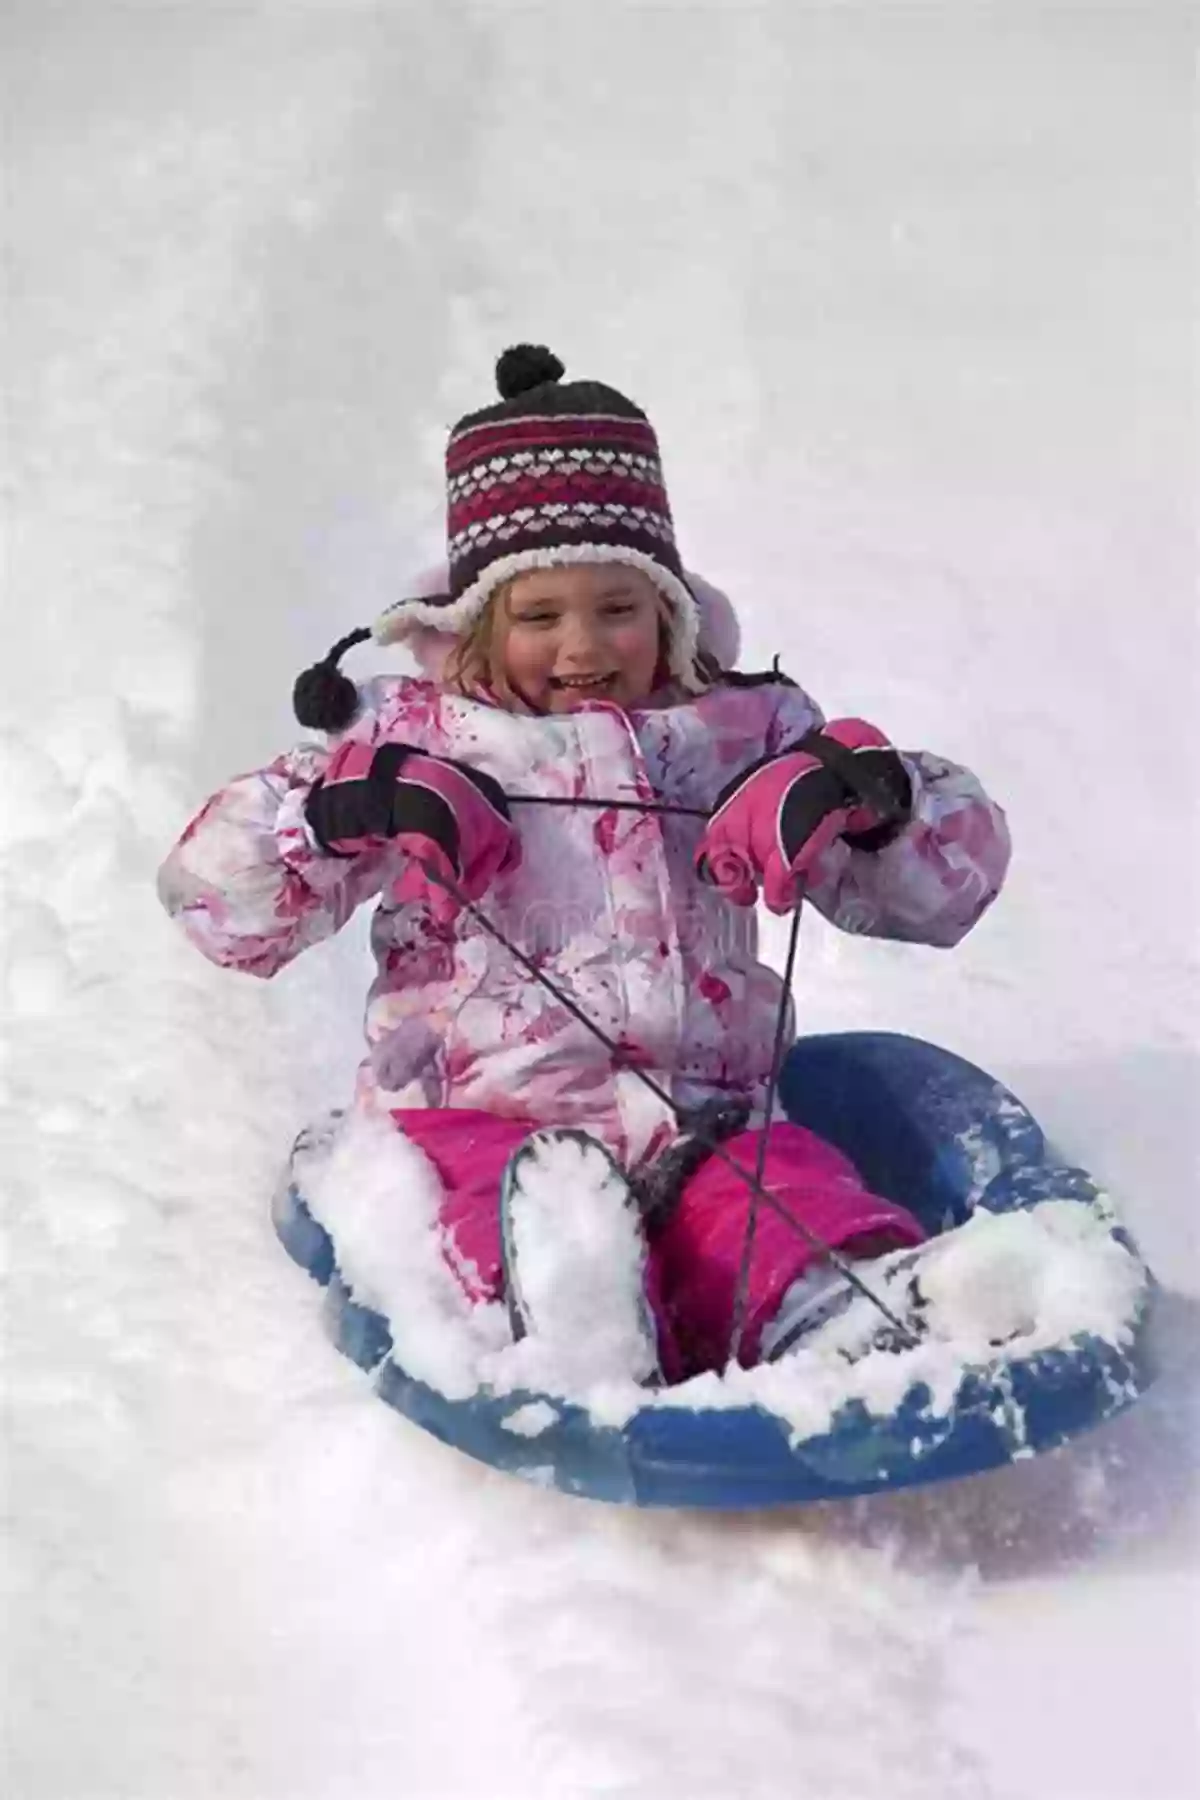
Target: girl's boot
(575, 1258)
(824, 1294)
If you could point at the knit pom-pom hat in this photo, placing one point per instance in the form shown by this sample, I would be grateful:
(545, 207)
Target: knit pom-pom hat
(554, 472)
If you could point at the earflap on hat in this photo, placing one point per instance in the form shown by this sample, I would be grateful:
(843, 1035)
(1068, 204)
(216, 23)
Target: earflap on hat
(718, 633)
(428, 644)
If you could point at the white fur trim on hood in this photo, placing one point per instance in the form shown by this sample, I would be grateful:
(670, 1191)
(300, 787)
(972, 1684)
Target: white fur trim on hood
(430, 624)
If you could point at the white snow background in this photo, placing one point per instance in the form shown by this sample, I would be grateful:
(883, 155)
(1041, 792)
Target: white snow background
(908, 291)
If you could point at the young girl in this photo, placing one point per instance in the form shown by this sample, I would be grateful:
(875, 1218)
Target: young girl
(580, 769)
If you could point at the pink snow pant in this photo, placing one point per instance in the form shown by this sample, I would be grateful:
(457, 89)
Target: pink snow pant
(694, 1259)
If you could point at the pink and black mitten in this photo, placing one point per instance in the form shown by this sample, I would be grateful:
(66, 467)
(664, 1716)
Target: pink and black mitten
(450, 820)
(773, 822)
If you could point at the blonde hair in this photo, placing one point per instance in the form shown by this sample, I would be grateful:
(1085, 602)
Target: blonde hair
(476, 664)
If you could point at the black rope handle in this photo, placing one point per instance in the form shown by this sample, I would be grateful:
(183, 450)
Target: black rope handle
(741, 1293)
(642, 806)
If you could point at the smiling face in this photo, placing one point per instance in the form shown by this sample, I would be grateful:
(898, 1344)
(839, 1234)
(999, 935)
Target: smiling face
(582, 631)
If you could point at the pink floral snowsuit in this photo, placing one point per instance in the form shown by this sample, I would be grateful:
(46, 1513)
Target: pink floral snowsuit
(469, 1053)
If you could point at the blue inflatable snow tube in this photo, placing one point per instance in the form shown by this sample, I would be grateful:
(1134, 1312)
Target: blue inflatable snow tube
(924, 1128)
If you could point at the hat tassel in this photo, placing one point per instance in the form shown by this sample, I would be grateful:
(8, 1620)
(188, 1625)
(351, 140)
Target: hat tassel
(323, 697)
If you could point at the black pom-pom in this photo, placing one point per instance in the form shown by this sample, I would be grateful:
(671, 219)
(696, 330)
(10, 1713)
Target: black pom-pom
(526, 366)
(324, 698)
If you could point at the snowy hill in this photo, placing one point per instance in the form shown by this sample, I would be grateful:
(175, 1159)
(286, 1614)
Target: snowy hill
(907, 292)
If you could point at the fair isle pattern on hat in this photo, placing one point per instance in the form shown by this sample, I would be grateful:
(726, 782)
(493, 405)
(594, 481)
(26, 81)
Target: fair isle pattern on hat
(555, 473)
(557, 480)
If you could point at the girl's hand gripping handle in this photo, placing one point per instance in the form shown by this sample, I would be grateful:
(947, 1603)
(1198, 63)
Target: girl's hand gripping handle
(441, 814)
(775, 820)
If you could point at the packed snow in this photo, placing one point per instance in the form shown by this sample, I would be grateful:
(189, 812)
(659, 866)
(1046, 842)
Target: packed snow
(377, 1195)
(1002, 1286)
(909, 294)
